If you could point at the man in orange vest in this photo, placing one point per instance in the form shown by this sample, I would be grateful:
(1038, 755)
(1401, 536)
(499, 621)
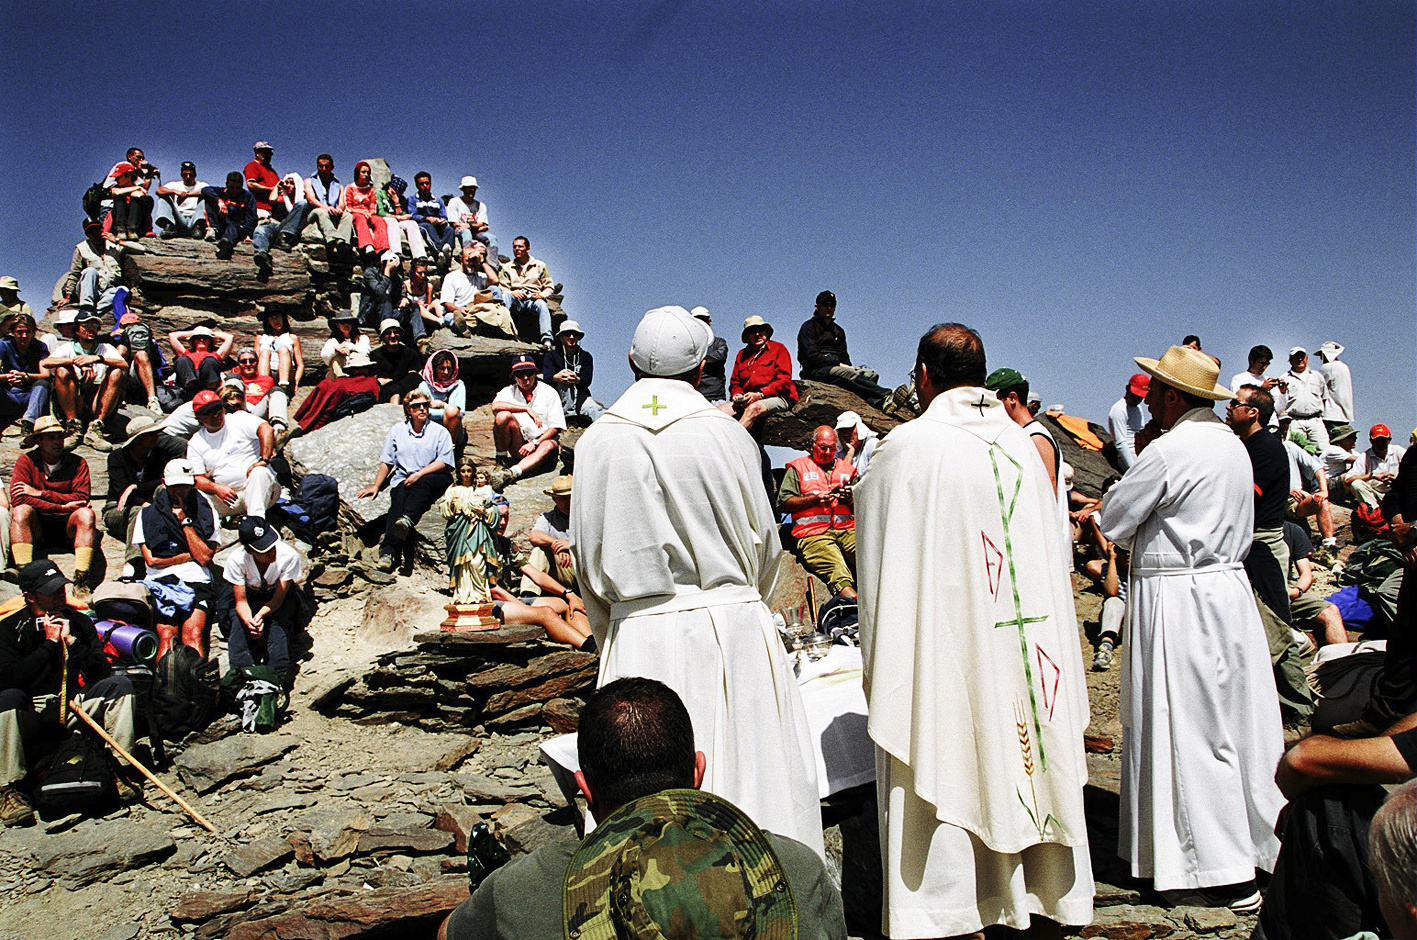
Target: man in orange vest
(816, 490)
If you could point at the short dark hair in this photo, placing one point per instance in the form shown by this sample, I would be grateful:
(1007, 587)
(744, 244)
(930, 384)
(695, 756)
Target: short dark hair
(133, 150)
(1191, 338)
(522, 238)
(635, 738)
(953, 354)
(325, 156)
(1260, 352)
(235, 177)
(1021, 389)
(1262, 401)
(422, 175)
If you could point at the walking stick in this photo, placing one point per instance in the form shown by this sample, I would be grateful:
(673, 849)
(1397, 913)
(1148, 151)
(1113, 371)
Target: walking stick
(141, 769)
(63, 682)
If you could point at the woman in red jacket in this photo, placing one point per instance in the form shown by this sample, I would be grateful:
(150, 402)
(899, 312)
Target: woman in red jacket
(762, 376)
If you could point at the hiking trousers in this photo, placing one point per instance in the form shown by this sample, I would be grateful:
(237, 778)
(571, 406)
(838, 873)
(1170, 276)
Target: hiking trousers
(109, 701)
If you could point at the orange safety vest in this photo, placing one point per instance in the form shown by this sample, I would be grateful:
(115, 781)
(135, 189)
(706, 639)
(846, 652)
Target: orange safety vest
(815, 520)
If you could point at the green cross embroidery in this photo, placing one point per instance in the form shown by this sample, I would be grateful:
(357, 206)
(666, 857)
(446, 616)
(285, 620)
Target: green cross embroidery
(654, 406)
(1018, 621)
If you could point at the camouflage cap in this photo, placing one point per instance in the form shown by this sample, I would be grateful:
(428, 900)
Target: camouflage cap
(678, 863)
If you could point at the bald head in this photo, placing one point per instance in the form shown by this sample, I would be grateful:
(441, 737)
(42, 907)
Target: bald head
(824, 446)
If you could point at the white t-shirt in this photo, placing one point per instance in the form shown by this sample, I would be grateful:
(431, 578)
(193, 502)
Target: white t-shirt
(461, 290)
(70, 349)
(188, 199)
(544, 401)
(240, 568)
(226, 455)
(554, 524)
(188, 572)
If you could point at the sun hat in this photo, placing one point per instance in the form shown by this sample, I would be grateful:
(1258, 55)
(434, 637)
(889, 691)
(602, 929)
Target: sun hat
(389, 324)
(677, 863)
(67, 315)
(468, 181)
(139, 426)
(1379, 430)
(561, 486)
(571, 326)
(233, 381)
(1342, 431)
(850, 419)
(669, 341)
(755, 323)
(178, 473)
(700, 313)
(206, 401)
(9, 283)
(1001, 380)
(357, 360)
(1189, 370)
(262, 145)
(85, 316)
(47, 424)
(1139, 383)
(256, 534)
(389, 255)
(201, 331)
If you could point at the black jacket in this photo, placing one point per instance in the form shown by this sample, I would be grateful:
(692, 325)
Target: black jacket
(31, 663)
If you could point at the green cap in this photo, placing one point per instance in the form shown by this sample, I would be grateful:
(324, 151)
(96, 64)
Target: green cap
(1342, 431)
(680, 863)
(1001, 380)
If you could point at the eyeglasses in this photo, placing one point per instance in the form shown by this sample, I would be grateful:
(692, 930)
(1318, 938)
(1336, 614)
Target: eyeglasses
(419, 404)
(1237, 403)
(246, 362)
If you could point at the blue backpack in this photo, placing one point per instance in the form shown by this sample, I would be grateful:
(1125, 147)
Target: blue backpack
(313, 507)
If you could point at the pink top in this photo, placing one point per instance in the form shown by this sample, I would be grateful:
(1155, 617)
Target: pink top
(361, 201)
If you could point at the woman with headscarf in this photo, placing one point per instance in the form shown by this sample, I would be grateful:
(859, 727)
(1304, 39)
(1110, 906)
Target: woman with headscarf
(362, 203)
(345, 340)
(448, 394)
(393, 209)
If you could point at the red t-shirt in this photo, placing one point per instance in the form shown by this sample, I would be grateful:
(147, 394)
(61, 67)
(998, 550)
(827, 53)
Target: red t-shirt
(259, 173)
(257, 388)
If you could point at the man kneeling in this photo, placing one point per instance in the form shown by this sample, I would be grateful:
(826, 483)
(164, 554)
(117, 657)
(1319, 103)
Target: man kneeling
(662, 848)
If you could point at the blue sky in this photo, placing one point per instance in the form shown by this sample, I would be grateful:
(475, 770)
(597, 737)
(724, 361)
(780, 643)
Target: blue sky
(1081, 182)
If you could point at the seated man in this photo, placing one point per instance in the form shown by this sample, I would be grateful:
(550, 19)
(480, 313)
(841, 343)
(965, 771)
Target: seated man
(179, 212)
(431, 218)
(134, 474)
(569, 369)
(1392, 844)
(417, 464)
(11, 305)
(95, 273)
(264, 574)
(527, 419)
(231, 213)
(640, 775)
(25, 383)
(529, 283)
(556, 609)
(397, 363)
(32, 675)
(822, 355)
(473, 295)
(327, 216)
(198, 355)
(88, 381)
(49, 493)
(130, 203)
(761, 381)
(134, 341)
(1371, 476)
(468, 215)
(177, 536)
(1322, 885)
(1308, 496)
(382, 297)
(231, 458)
(550, 539)
(1338, 457)
(713, 384)
(262, 396)
(816, 490)
(1308, 609)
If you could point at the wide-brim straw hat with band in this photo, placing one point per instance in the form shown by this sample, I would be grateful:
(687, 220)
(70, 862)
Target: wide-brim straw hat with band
(48, 424)
(1189, 370)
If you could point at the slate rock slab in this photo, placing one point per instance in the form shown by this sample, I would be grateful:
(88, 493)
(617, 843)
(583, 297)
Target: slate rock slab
(206, 767)
(87, 856)
(245, 860)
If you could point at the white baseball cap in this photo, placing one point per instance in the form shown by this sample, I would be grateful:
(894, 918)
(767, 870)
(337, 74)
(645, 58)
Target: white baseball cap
(669, 341)
(178, 473)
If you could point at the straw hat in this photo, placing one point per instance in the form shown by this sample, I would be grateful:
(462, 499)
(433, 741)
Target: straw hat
(357, 360)
(561, 486)
(1189, 370)
(47, 424)
(756, 323)
(140, 425)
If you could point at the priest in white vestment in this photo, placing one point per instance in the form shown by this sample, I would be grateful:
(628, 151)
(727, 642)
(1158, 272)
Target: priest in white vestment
(1200, 716)
(676, 547)
(973, 668)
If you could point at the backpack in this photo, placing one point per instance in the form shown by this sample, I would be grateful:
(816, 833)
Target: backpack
(79, 778)
(313, 507)
(352, 405)
(184, 696)
(93, 200)
(257, 694)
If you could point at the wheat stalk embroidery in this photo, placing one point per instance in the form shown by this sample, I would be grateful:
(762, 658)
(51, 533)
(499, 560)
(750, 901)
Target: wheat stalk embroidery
(1025, 747)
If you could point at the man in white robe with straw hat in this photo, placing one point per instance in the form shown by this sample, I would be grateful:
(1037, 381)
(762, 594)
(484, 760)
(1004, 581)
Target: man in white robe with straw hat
(676, 546)
(975, 688)
(1200, 716)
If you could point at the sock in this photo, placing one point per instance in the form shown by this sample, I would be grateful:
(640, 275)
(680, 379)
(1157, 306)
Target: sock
(1330, 542)
(503, 453)
(23, 552)
(83, 561)
(515, 474)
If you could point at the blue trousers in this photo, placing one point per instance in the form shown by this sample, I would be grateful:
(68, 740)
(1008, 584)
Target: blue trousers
(524, 310)
(267, 231)
(274, 644)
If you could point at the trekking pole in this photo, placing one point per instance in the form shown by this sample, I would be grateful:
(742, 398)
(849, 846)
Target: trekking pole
(143, 770)
(63, 682)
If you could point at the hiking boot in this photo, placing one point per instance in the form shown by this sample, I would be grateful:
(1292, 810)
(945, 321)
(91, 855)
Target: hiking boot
(202, 231)
(94, 438)
(224, 249)
(1359, 728)
(1102, 659)
(402, 526)
(129, 791)
(285, 434)
(73, 433)
(155, 406)
(263, 262)
(15, 809)
(387, 563)
(287, 240)
(1243, 898)
(26, 427)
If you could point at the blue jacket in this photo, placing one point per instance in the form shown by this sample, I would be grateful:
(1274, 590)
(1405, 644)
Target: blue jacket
(424, 209)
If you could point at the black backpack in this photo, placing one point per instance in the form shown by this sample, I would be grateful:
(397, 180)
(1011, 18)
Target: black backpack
(185, 697)
(79, 779)
(93, 200)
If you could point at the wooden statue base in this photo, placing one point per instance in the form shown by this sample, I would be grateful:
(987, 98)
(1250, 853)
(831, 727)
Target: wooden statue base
(469, 618)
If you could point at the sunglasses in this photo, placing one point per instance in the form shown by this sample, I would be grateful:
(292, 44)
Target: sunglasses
(419, 404)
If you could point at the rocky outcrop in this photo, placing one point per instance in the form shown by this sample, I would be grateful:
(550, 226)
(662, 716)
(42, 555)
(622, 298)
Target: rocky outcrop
(185, 272)
(820, 404)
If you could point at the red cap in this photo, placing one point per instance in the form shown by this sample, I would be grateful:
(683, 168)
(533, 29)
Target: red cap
(1379, 430)
(1139, 383)
(203, 399)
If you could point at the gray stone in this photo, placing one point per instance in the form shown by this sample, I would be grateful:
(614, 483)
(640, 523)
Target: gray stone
(288, 882)
(353, 781)
(124, 931)
(405, 820)
(818, 404)
(485, 790)
(333, 833)
(1210, 919)
(245, 860)
(482, 355)
(382, 838)
(534, 833)
(205, 767)
(86, 856)
(348, 450)
(283, 801)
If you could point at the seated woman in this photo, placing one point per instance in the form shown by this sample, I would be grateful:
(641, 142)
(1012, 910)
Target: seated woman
(424, 305)
(177, 536)
(396, 363)
(335, 396)
(762, 376)
(362, 203)
(345, 340)
(132, 206)
(403, 231)
(264, 574)
(447, 391)
(417, 464)
(279, 351)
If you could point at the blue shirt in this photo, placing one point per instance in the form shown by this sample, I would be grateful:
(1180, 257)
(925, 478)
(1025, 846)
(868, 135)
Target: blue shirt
(328, 194)
(424, 209)
(407, 452)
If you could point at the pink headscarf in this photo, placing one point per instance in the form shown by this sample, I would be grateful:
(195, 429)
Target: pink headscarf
(430, 372)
